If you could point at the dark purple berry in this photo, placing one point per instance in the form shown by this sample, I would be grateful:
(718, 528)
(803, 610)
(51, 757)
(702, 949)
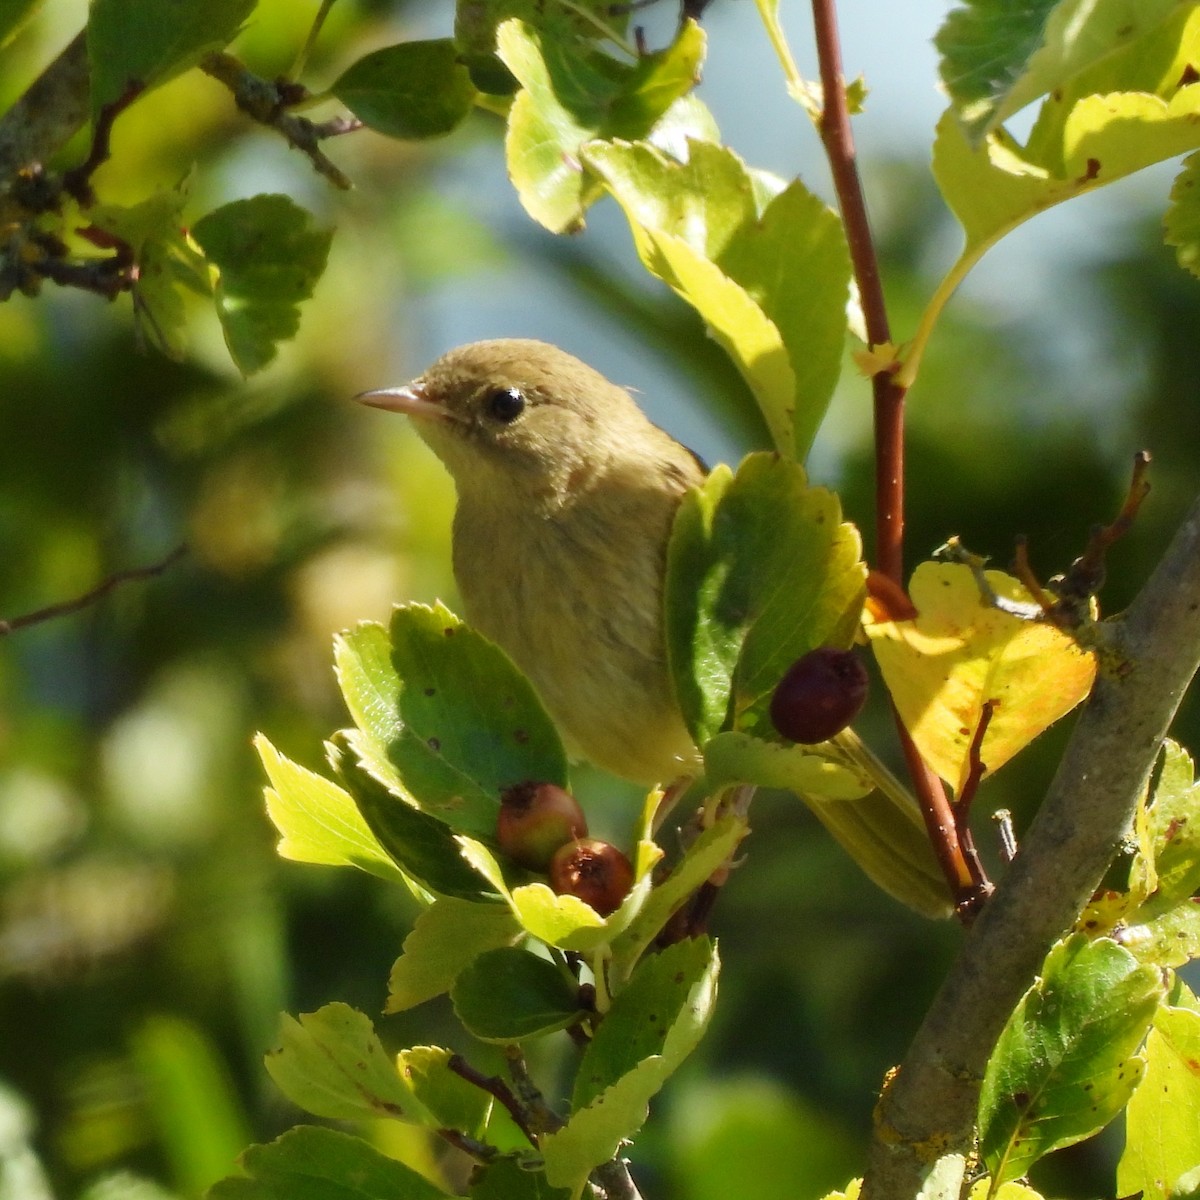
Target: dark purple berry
(819, 695)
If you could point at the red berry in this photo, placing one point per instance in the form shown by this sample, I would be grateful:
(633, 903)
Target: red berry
(598, 873)
(534, 820)
(819, 695)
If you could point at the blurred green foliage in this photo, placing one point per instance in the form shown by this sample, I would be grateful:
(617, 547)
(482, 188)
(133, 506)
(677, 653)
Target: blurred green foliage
(149, 937)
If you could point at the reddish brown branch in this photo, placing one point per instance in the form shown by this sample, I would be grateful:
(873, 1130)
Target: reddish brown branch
(66, 607)
(498, 1090)
(77, 182)
(966, 882)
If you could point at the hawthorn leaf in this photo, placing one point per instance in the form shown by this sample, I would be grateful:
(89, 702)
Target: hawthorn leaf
(445, 717)
(652, 1026)
(508, 995)
(506, 1179)
(960, 653)
(268, 254)
(318, 822)
(995, 58)
(410, 90)
(332, 1064)
(313, 1163)
(1067, 1061)
(1162, 1121)
(571, 94)
(1183, 216)
(423, 846)
(144, 43)
(739, 758)
(760, 570)
(445, 938)
(767, 270)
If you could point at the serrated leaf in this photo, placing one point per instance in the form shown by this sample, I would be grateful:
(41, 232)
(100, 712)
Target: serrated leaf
(570, 95)
(997, 58)
(1173, 820)
(1162, 1122)
(768, 274)
(1182, 220)
(331, 1063)
(311, 1163)
(421, 845)
(147, 42)
(1067, 1060)
(737, 758)
(269, 255)
(445, 938)
(760, 570)
(508, 995)
(447, 1100)
(317, 821)
(410, 90)
(960, 653)
(676, 988)
(445, 715)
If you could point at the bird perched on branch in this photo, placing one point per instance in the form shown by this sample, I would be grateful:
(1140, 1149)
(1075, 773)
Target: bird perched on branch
(566, 495)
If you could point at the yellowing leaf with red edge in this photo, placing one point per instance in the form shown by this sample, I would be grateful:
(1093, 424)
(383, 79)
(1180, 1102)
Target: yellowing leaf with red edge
(959, 653)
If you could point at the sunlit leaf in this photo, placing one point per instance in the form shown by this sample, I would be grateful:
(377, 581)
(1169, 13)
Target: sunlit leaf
(959, 654)
(445, 938)
(269, 255)
(318, 821)
(1162, 1122)
(570, 95)
(656, 1022)
(309, 1161)
(760, 570)
(447, 1099)
(1068, 1060)
(410, 90)
(445, 716)
(331, 1063)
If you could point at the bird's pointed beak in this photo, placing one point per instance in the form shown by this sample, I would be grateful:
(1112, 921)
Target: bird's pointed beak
(410, 400)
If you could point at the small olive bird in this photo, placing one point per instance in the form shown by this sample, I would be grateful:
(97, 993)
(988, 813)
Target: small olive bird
(566, 494)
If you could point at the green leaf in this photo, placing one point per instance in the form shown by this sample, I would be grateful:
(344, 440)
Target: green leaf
(318, 822)
(147, 42)
(421, 845)
(447, 1099)
(269, 256)
(1174, 827)
(653, 1025)
(769, 274)
(505, 1179)
(737, 758)
(331, 1063)
(445, 938)
(711, 850)
(166, 260)
(507, 995)
(760, 570)
(1067, 1061)
(996, 58)
(571, 95)
(446, 716)
(411, 90)
(1183, 216)
(1162, 1122)
(310, 1163)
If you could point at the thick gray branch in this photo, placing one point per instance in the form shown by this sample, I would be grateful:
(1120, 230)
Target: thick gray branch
(48, 115)
(926, 1117)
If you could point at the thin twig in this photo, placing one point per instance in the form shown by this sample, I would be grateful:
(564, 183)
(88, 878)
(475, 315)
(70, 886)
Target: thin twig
(77, 182)
(925, 1121)
(498, 1090)
(968, 885)
(613, 1181)
(66, 607)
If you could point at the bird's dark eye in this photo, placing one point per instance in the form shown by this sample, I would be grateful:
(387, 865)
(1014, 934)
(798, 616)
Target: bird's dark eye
(505, 404)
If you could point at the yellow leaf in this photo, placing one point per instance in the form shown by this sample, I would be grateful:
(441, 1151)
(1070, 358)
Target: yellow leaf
(959, 653)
